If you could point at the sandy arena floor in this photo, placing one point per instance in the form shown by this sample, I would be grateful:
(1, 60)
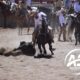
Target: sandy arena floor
(28, 68)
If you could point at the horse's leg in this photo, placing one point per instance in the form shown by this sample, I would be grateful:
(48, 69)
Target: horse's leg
(19, 30)
(28, 30)
(28, 22)
(50, 48)
(5, 20)
(43, 45)
(20, 27)
(79, 37)
(70, 31)
(76, 37)
(28, 26)
(39, 46)
(70, 35)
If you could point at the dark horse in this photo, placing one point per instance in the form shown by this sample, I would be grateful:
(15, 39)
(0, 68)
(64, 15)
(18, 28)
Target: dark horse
(75, 24)
(43, 38)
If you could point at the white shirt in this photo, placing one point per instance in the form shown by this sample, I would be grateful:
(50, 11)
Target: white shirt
(38, 22)
(76, 7)
(28, 2)
(40, 14)
(12, 1)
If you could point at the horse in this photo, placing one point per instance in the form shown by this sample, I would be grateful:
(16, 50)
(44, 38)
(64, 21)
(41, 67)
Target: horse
(43, 38)
(75, 22)
(25, 48)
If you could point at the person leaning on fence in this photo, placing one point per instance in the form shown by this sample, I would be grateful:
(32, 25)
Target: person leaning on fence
(62, 22)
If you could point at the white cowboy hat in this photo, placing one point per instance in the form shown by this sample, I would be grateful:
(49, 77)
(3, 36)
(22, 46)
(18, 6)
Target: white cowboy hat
(62, 9)
(34, 9)
(43, 14)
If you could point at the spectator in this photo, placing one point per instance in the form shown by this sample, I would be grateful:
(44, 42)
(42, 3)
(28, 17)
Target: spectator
(77, 6)
(62, 23)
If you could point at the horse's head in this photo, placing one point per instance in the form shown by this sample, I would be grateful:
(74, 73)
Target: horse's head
(44, 22)
(44, 26)
(73, 18)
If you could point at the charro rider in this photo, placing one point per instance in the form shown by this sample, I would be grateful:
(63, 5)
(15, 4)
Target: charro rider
(39, 16)
(38, 24)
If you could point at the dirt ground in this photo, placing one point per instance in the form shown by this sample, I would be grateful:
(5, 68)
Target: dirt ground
(28, 68)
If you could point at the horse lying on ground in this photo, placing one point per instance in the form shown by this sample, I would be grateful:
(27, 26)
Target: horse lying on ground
(24, 48)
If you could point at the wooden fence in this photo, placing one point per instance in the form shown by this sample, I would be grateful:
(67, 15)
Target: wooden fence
(12, 24)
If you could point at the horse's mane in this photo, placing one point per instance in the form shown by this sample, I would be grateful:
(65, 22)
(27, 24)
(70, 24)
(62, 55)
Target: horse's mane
(44, 26)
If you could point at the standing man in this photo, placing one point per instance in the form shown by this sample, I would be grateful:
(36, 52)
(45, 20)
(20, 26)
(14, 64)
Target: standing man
(29, 2)
(67, 3)
(77, 6)
(62, 23)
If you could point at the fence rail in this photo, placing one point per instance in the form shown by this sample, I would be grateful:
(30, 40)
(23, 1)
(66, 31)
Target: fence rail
(12, 24)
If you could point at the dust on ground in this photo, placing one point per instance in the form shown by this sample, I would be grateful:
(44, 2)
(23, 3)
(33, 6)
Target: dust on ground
(28, 68)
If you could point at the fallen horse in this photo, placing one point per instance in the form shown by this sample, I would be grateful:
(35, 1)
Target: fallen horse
(25, 48)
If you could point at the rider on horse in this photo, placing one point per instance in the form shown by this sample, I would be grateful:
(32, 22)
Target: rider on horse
(38, 24)
(39, 17)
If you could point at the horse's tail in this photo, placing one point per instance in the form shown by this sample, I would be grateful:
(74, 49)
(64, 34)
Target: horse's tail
(71, 27)
(70, 21)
